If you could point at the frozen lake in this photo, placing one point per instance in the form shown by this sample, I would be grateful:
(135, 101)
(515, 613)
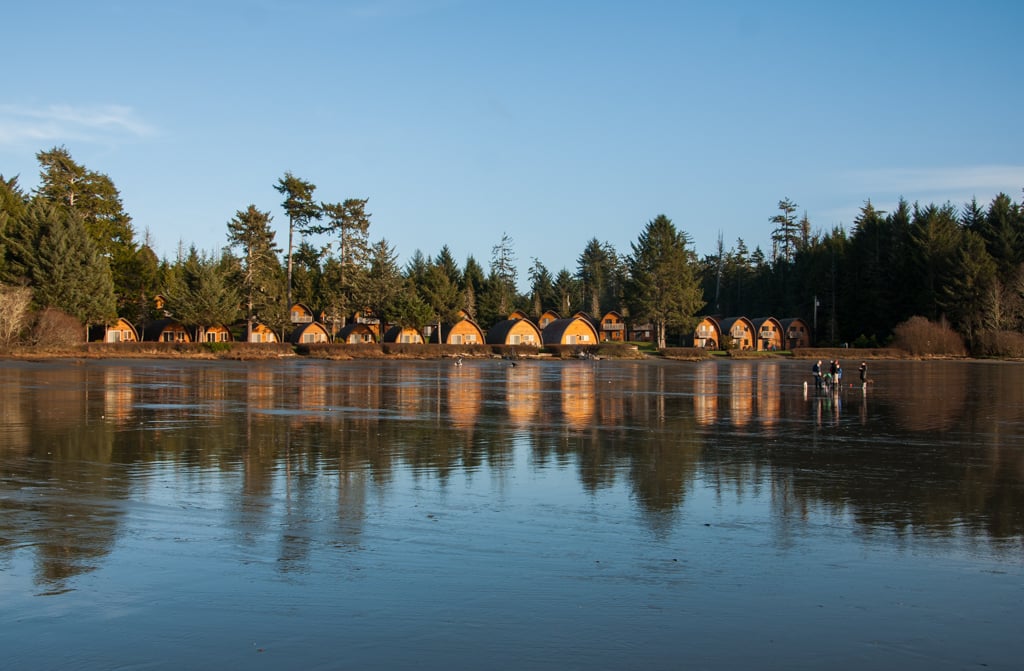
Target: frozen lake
(552, 515)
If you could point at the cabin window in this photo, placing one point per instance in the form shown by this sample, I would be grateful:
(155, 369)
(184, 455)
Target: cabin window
(514, 339)
(584, 338)
(456, 339)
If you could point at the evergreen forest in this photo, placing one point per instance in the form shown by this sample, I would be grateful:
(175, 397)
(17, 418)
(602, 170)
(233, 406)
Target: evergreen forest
(69, 248)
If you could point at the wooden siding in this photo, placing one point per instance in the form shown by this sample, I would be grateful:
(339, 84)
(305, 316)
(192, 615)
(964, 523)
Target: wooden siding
(262, 333)
(613, 327)
(708, 334)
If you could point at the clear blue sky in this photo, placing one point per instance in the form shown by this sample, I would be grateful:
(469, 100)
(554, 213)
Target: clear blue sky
(554, 122)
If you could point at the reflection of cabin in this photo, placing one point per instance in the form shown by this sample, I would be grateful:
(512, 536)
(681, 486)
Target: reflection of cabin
(401, 334)
(462, 332)
(514, 332)
(313, 332)
(301, 314)
(573, 331)
(166, 330)
(708, 334)
(740, 329)
(613, 327)
(120, 331)
(769, 333)
(262, 333)
(214, 333)
(796, 333)
(356, 333)
(546, 318)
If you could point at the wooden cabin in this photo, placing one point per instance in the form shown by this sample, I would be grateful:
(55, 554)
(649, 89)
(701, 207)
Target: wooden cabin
(612, 327)
(306, 334)
(642, 332)
(462, 332)
(514, 332)
(166, 330)
(356, 333)
(402, 334)
(573, 331)
(301, 314)
(708, 334)
(796, 333)
(518, 314)
(367, 317)
(740, 330)
(214, 333)
(262, 333)
(120, 331)
(546, 318)
(769, 334)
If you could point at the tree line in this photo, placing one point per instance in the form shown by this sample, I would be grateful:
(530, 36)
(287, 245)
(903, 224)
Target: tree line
(68, 245)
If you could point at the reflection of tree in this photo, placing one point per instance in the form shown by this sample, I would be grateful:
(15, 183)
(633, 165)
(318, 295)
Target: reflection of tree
(929, 457)
(664, 464)
(301, 466)
(71, 522)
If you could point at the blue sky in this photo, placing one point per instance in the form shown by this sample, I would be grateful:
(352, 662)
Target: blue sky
(553, 122)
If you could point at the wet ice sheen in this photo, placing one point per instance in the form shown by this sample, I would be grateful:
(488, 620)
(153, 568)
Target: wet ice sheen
(553, 515)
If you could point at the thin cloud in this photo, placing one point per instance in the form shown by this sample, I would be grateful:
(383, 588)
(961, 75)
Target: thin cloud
(20, 124)
(983, 181)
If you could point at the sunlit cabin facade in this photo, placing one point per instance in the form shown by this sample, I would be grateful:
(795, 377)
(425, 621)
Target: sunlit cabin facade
(546, 318)
(708, 334)
(309, 334)
(301, 314)
(120, 331)
(214, 333)
(740, 330)
(514, 332)
(613, 327)
(769, 334)
(262, 333)
(399, 334)
(518, 314)
(796, 333)
(462, 332)
(166, 330)
(572, 331)
(368, 318)
(356, 333)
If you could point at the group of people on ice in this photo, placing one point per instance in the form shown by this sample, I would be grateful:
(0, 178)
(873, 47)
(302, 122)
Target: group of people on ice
(832, 379)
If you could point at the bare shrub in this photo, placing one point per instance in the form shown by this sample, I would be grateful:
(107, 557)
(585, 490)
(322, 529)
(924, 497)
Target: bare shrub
(54, 328)
(1000, 344)
(14, 302)
(922, 337)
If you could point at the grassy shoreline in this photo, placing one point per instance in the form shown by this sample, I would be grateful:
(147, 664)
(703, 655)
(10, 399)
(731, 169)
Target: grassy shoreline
(345, 352)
